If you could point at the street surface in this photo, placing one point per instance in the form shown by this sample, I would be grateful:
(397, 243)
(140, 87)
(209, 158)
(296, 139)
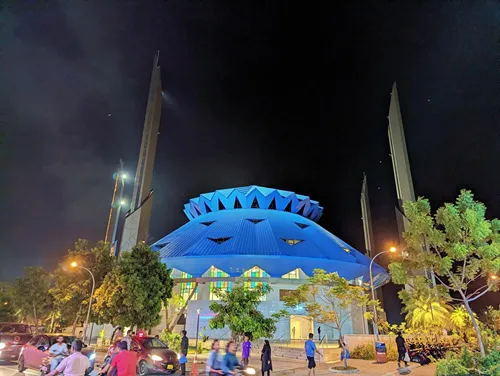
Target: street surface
(282, 367)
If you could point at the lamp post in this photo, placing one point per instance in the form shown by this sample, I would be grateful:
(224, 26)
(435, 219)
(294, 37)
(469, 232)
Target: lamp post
(375, 317)
(75, 265)
(197, 329)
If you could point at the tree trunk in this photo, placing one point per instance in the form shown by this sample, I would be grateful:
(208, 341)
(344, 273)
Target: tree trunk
(36, 318)
(476, 328)
(75, 323)
(52, 323)
(166, 314)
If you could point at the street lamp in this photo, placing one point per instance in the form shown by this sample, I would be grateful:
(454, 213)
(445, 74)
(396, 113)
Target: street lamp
(75, 265)
(375, 318)
(197, 329)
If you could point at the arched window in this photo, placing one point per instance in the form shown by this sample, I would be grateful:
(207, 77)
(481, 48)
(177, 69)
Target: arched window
(223, 285)
(185, 288)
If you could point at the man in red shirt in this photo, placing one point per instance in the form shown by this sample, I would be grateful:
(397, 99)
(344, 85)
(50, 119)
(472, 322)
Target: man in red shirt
(125, 361)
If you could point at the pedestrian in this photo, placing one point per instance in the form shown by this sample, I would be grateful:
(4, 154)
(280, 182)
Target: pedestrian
(74, 365)
(230, 362)
(107, 364)
(184, 350)
(117, 335)
(293, 332)
(246, 346)
(214, 361)
(125, 361)
(311, 350)
(319, 333)
(400, 343)
(265, 357)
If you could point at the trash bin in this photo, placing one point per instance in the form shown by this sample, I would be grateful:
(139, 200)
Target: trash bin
(380, 352)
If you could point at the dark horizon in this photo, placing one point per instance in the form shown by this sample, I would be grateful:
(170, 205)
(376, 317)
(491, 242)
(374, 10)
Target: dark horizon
(293, 98)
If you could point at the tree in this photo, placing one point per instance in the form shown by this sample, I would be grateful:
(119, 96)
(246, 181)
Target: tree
(73, 286)
(238, 310)
(7, 312)
(463, 247)
(330, 300)
(133, 293)
(427, 313)
(33, 292)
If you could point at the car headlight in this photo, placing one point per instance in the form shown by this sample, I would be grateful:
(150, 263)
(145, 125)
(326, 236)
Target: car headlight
(156, 358)
(92, 356)
(2, 345)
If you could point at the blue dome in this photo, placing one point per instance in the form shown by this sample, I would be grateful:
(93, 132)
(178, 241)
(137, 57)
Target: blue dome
(237, 238)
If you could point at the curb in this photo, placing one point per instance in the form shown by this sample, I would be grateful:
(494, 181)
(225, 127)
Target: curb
(345, 372)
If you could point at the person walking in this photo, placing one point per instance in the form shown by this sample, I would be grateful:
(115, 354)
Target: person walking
(230, 362)
(265, 357)
(74, 365)
(125, 361)
(401, 344)
(311, 350)
(319, 333)
(184, 350)
(214, 361)
(246, 346)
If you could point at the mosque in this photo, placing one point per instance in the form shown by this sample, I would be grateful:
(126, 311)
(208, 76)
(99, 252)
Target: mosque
(268, 237)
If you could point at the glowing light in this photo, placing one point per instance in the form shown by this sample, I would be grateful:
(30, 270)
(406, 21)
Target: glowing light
(124, 176)
(74, 264)
(123, 202)
(493, 276)
(392, 249)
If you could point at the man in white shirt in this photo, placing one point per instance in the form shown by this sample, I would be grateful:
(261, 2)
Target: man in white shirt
(74, 365)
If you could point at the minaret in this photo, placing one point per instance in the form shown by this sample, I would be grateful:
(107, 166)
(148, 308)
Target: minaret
(367, 219)
(136, 227)
(401, 166)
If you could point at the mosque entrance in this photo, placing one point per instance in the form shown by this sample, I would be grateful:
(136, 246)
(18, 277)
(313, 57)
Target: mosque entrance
(300, 327)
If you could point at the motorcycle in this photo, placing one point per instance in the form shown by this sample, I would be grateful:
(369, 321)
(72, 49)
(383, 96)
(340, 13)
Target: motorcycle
(45, 366)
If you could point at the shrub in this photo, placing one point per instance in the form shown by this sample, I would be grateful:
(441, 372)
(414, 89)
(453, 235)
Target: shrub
(173, 340)
(451, 366)
(366, 351)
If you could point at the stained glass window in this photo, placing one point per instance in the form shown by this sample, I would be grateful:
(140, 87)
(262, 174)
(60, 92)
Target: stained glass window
(255, 272)
(223, 285)
(294, 274)
(185, 288)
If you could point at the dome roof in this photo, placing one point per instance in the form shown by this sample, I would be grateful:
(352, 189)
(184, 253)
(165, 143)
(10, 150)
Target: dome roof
(277, 241)
(253, 196)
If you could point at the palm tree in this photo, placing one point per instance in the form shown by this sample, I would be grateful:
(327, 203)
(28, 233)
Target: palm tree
(427, 312)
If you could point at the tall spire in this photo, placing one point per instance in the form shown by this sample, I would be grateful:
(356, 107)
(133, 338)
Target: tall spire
(367, 219)
(136, 227)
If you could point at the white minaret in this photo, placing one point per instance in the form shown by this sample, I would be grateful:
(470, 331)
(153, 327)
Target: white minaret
(136, 227)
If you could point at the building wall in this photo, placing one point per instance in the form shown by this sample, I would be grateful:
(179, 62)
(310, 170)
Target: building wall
(271, 305)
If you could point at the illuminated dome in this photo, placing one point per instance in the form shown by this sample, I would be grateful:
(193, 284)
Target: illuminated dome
(238, 229)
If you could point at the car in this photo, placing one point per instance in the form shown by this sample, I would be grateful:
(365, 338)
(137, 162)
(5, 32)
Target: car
(13, 336)
(153, 356)
(33, 353)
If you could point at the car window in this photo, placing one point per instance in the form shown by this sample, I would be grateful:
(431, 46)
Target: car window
(14, 328)
(134, 346)
(44, 341)
(154, 343)
(33, 341)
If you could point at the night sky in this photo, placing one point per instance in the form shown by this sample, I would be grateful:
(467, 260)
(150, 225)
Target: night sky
(279, 94)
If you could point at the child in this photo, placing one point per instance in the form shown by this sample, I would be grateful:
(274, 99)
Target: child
(246, 346)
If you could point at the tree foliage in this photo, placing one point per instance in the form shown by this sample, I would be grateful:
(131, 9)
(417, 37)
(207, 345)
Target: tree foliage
(330, 300)
(238, 310)
(73, 286)
(7, 312)
(36, 300)
(464, 247)
(133, 293)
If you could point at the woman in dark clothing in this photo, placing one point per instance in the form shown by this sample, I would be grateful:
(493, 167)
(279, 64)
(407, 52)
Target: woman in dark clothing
(265, 357)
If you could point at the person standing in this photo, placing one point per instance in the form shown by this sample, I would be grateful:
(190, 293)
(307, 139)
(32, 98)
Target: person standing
(311, 350)
(401, 344)
(128, 339)
(265, 357)
(319, 333)
(58, 351)
(246, 346)
(184, 350)
(125, 361)
(74, 365)
(214, 361)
